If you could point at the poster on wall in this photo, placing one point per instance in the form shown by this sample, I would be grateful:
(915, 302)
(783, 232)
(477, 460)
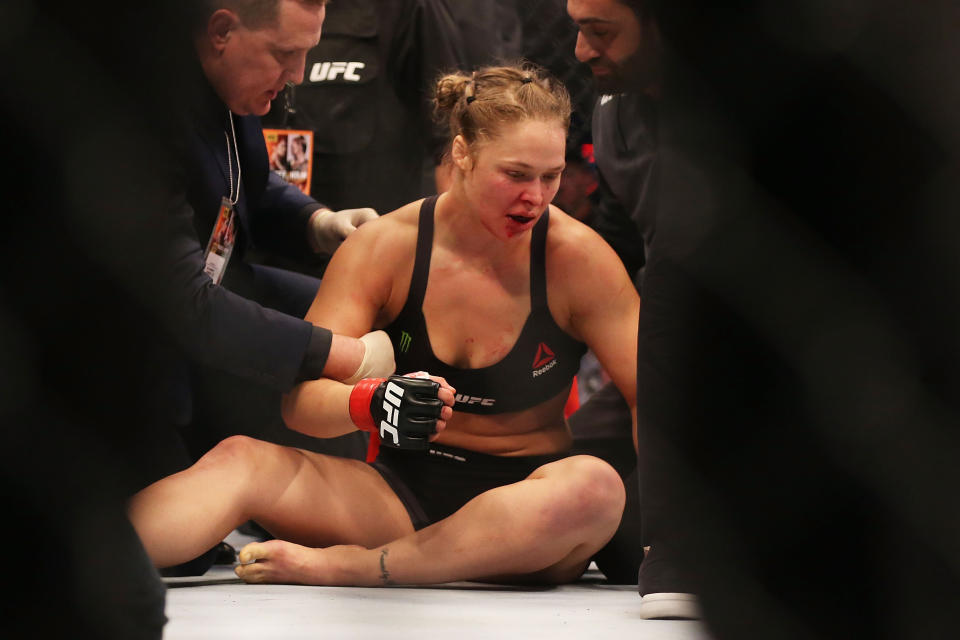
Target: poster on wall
(290, 152)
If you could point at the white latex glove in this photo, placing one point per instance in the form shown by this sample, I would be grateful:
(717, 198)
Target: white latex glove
(329, 228)
(377, 358)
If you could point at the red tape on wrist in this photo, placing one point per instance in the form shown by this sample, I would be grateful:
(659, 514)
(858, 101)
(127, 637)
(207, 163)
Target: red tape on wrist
(360, 403)
(373, 447)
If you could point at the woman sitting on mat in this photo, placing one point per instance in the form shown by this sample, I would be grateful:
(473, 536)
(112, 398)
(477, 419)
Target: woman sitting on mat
(488, 287)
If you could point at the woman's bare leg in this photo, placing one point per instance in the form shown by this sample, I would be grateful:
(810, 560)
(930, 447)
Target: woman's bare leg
(296, 495)
(544, 529)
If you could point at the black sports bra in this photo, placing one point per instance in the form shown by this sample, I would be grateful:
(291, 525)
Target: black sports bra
(541, 363)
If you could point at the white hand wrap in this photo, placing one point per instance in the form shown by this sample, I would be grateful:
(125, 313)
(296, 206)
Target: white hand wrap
(329, 228)
(377, 358)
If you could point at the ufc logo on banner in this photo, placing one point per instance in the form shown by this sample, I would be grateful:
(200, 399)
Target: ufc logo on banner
(326, 71)
(391, 404)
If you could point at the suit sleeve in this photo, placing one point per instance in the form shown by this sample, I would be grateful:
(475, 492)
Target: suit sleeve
(279, 220)
(221, 329)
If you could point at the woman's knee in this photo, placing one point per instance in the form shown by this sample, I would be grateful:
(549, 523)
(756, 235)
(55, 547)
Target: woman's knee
(241, 453)
(589, 493)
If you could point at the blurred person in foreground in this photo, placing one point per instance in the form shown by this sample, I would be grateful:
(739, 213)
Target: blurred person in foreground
(797, 353)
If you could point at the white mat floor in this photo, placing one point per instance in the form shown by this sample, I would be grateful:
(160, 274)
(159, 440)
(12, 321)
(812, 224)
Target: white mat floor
(218, 606)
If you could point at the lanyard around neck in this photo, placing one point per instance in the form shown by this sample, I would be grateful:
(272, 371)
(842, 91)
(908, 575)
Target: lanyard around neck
(233, 197)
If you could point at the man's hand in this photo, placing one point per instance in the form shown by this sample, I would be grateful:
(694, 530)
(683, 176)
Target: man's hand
(329, 228)
(377, 359)
(407, 412)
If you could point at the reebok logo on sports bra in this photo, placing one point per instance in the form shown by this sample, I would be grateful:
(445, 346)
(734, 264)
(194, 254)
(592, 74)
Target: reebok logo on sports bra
(544, 360)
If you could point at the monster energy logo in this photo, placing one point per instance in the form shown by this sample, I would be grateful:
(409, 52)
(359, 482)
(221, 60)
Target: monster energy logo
(404, 341)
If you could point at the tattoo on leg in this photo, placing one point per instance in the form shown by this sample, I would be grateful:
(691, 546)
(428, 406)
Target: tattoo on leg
(384, 574)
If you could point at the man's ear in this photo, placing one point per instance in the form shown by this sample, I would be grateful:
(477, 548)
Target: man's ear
(219, 27)
(461, 154)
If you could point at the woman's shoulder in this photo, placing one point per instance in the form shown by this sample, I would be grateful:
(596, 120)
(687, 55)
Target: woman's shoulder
(407, 214)
(576, 254)
(570, 239)
(388, 232)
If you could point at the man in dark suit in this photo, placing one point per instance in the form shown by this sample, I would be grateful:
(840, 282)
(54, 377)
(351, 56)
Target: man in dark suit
(247, 333)
(239, 340)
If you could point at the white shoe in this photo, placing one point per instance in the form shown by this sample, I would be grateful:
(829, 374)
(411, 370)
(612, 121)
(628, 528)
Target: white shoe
(658, 606)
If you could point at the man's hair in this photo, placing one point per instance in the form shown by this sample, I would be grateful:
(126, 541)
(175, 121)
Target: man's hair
(253, 13)
(640, 7)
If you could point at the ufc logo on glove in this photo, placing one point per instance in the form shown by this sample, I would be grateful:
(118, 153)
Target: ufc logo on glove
(406, 408)
(391, 404)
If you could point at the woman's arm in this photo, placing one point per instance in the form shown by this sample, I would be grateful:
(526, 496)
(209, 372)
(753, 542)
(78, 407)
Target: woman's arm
(356, 294)
(602, 304)
(354, 288)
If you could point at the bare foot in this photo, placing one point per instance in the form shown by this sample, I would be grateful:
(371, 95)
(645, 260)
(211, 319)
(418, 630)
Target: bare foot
(277, 561)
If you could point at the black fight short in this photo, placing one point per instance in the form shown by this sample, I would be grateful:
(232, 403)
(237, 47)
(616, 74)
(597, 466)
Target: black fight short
(433, 484)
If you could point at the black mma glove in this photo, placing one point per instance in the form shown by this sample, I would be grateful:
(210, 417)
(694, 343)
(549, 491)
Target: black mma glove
(403, 411)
